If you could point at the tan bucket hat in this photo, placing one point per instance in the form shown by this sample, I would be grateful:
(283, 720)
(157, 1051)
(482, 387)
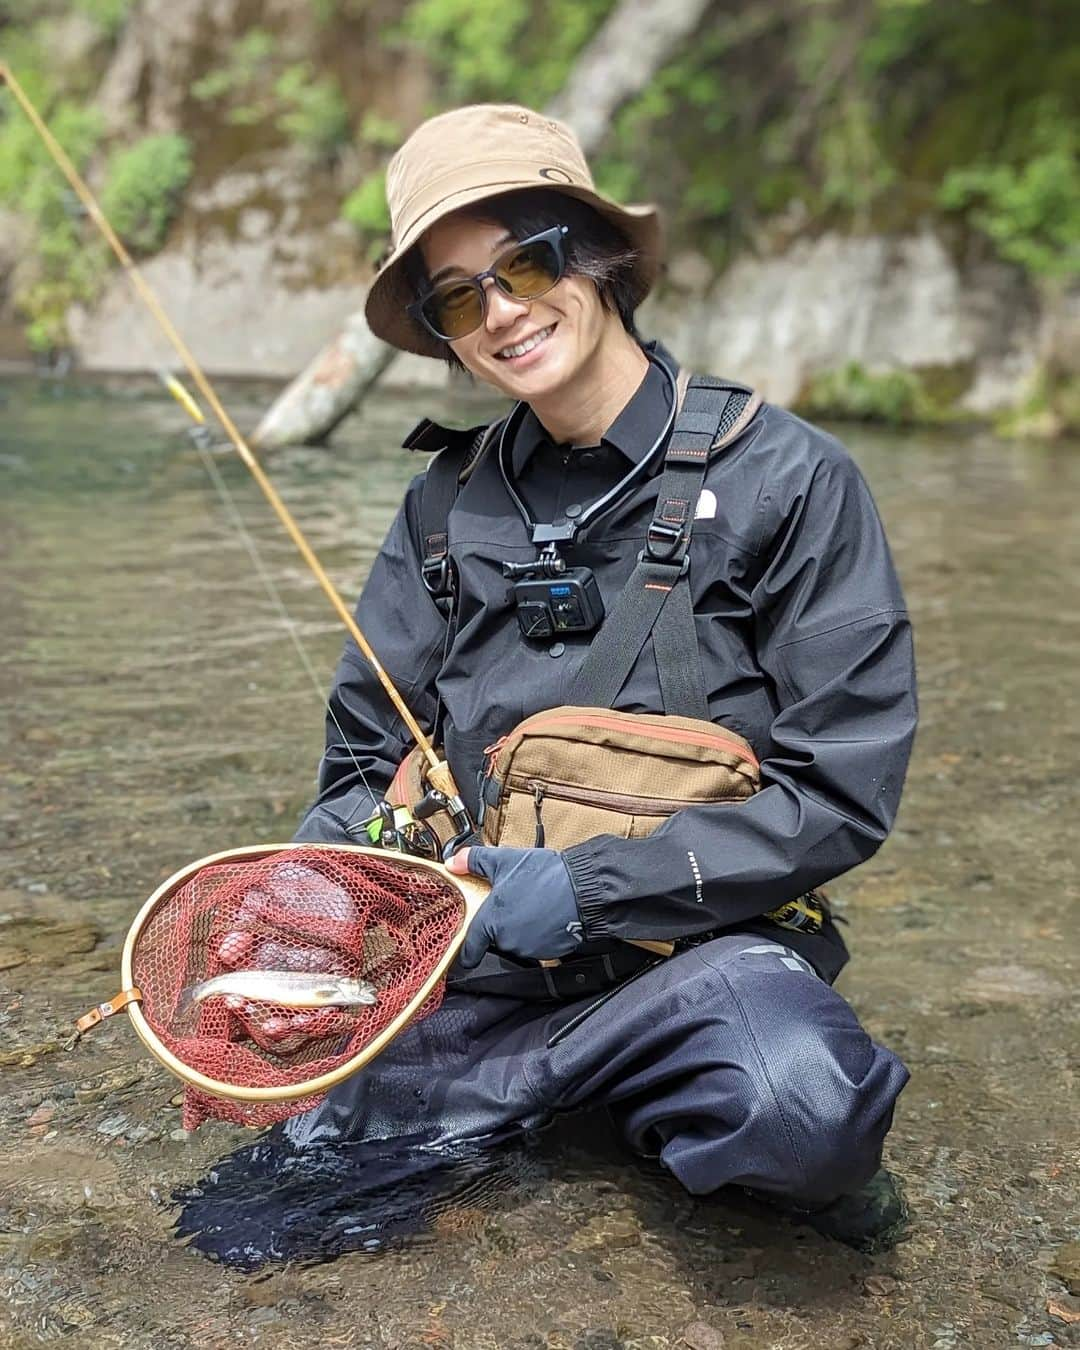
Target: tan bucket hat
(461, 157)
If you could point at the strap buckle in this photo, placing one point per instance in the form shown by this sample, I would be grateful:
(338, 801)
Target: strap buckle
(108, 1009)
(682, 563)
(436, 575)
(663, 542)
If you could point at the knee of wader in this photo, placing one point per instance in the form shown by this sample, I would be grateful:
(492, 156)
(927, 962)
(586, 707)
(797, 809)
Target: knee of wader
(837, 1107)
(835, 1156)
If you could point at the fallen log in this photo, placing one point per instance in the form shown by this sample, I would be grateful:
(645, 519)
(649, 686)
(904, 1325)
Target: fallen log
(327, 390)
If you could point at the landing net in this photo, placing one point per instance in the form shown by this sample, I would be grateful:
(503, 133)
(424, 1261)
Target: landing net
(319, 912)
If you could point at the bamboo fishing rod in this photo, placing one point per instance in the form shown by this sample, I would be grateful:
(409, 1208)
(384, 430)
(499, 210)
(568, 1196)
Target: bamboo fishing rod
(439, 771)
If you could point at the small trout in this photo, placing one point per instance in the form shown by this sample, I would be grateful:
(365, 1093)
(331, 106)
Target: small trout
(285, 988)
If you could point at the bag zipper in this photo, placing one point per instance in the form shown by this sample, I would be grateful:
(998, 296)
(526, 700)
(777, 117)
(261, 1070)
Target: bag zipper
(538, 806)
(618, 801)
(674, 734)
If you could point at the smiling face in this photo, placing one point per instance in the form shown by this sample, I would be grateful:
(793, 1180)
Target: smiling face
(571, 321)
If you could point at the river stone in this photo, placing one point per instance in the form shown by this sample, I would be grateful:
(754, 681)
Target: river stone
(1010, 984)
(1066, 1266)
(701, 1336)
(41, 937)
(112, 1126)
(1064, 1307)
(50, 1242)
(611, 1231)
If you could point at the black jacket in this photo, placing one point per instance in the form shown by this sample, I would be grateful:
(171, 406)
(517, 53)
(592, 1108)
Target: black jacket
(805, 643)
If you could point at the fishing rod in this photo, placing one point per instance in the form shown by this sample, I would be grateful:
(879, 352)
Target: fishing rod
(439, 774)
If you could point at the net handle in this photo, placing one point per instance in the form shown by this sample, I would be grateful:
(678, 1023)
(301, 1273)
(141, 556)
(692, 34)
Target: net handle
(473, 891)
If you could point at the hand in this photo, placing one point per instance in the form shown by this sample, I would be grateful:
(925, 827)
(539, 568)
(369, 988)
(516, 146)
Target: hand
(531, 910)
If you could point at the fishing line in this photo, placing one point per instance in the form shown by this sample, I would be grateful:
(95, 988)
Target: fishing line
(392, 922)
(200, 440)
(438, 772)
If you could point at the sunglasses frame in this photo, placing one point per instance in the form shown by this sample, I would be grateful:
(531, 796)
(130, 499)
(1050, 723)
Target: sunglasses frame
(554, 236)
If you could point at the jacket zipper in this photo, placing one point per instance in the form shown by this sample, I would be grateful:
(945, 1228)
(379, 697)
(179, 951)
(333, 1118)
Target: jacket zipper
(673, 734)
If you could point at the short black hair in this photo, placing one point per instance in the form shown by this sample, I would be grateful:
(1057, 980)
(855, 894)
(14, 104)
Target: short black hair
(595, 247)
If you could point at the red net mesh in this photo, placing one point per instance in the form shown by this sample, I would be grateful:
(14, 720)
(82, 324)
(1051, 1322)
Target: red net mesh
(307, 919)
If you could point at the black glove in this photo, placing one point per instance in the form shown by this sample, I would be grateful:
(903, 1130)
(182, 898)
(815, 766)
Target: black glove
(531, 911)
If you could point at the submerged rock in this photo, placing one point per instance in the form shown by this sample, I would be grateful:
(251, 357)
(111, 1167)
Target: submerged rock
(608, 1231)
(1066, 1266)
(701, 1336)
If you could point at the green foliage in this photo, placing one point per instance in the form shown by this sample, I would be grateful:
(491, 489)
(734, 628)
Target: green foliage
(503, 50)
(309, 109)
(143, 188)
(381, 133)
(854, 168)
(864, 117)
(1030, 211)
(67, 270)
(366, 210)
(471, 39)
(365, 207)
(772, 119)
(315, 114)
(245, 70)
(686, 97)
(898, 397)
(324, 12)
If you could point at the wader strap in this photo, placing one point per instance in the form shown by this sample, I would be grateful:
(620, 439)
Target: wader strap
(678, 656)
(436, 498)
(458, 453)
(656, 600)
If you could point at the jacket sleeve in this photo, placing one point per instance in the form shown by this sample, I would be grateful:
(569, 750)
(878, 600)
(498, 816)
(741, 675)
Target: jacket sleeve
(833, 636)
(365, 738)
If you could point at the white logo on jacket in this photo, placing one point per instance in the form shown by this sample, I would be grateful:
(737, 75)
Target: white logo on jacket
(706, 505)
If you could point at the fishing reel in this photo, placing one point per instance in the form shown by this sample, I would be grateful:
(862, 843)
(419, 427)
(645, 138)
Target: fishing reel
(397, 828)
(405, 829)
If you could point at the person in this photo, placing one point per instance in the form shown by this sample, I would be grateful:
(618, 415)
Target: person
(734, 1062)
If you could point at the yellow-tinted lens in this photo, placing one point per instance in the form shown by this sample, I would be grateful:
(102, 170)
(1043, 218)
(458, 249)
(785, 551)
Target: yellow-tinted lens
(528, 271)
(455, 308)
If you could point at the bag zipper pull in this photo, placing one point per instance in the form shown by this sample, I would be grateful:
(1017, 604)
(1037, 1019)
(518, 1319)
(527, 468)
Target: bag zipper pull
(538, 805)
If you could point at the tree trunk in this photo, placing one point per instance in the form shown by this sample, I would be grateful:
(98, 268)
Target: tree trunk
(635, 41)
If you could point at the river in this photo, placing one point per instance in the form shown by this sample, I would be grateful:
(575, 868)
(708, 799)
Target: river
(154, 710)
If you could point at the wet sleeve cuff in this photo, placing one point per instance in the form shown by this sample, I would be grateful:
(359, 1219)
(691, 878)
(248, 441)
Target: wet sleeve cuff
(580, 862)
(323, 826)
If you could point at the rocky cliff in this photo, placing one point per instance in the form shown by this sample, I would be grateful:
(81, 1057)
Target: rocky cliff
(899, 313)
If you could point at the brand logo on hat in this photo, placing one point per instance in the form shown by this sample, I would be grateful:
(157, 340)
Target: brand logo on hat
(556, 175)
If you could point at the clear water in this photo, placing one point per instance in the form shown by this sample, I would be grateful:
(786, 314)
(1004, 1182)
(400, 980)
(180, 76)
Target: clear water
(154, 711)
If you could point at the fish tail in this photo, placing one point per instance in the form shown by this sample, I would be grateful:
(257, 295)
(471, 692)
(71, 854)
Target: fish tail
(188, 999)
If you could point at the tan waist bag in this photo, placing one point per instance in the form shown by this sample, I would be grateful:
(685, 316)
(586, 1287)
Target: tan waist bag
(568, 774)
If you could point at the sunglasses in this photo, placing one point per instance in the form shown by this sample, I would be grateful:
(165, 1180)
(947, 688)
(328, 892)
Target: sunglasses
(525, 271)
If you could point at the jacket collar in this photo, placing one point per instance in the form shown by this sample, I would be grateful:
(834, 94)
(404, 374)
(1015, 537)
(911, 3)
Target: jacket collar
(633, 431)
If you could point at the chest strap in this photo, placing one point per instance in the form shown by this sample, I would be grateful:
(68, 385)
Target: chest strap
(458, 453)
(657, 600)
